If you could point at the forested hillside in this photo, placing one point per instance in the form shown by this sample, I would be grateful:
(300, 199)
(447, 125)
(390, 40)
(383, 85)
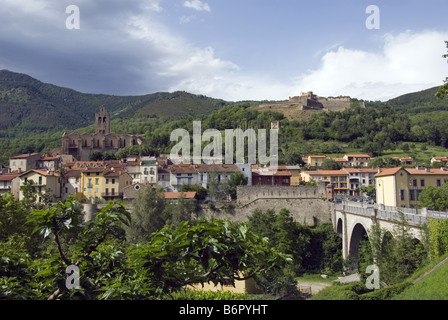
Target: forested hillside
(35, 114)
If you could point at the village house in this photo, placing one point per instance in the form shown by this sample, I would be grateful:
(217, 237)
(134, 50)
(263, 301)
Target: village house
(276, 176)
(360, 177)
(406, 161)
(24, 162)
(442, 160)
(71, 184)
(7, 183)
(42, 181)
(315, 160)
(357, 160)
(401, 187)
(49, 163)
(338, 179)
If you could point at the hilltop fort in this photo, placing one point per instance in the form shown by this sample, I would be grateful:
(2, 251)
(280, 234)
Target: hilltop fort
(296, 106)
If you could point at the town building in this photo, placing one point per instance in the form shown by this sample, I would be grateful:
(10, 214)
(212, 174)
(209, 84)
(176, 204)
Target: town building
(276, 176)
(357, 160)
(337, 178)
(442, 160)
(43, 182)
(7, 183)
(360, 177)
(71, 184)
(401, 187)
(24, 162)
(81, 145)
(315, 160)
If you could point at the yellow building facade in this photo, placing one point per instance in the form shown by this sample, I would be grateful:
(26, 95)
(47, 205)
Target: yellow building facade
(103, 183)
(401, 187)
(316, 161)
(92, 184)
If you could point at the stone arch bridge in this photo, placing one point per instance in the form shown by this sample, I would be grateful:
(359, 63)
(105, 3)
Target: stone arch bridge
(352, 220)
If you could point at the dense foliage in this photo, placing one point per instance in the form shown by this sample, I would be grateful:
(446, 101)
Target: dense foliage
(111, 267)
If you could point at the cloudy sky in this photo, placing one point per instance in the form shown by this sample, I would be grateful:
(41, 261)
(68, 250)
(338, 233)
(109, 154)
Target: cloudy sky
(229, 49)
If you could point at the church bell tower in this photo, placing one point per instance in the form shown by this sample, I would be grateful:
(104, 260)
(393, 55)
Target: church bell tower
(102, 121)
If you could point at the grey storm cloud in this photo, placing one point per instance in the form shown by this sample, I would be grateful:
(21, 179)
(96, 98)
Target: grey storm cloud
(102, 56)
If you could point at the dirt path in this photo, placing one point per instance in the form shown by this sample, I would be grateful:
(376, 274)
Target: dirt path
(312, 287)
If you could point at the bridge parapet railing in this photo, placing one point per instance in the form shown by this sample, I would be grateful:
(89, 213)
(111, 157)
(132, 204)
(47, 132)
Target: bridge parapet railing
(437, 214)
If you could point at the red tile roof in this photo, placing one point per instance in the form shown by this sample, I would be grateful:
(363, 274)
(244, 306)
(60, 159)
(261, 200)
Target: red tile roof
(8, 176)
(23, 156)
(388, 171)
(326, 172)
(177, 195)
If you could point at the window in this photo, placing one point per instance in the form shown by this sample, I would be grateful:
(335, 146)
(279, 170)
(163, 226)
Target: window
(97, 181)
(412, 195)
(151, 171)
(89, 190)
(402, 195)
(96, 190)
(414, 182)
(422, 182)
(107, 191)
(439, 182)
(107, 181)
(113, 181)
(40, 180)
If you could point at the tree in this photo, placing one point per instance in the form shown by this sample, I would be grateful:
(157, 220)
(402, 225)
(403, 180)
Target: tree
(64, 223)
(384, 162)
(330, 164)
(96, 156)
(201, 192)
(370, 191)
(236, 179)
(443, 89)
(174, 257)
(146, 215)
(433, 197)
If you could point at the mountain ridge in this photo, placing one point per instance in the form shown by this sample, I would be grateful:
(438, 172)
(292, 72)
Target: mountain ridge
(23, 98)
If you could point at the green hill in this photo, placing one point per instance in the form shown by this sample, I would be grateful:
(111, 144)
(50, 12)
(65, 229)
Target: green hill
(416, 102)
(433, 286)
(25, 101)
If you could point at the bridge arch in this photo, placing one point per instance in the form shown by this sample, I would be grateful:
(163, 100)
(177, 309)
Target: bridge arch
(359, 233)
(340, 227)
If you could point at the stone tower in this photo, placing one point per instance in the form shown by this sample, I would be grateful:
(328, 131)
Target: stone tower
(102, 121)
